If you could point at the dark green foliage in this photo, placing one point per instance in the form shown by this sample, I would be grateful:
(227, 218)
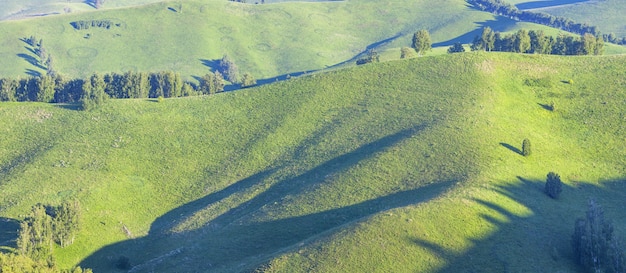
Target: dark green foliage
(372, 57)
(229, 69)
(486, 41)
(35, 236)
(211, 83)
(94, 93)
(66, 222)
(123, 263)
(8, 88)
(537, 42)
(526, 148)
(554, 186)
(456, 48)
(247, 80)
(594, 244)
(421, 42)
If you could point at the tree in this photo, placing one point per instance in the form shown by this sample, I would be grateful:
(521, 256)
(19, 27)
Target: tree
(229, 69)
(526, 149)
(421, 41)
(211, 83)
(8, 88)
(456, 48)
(553, 185)
(372, 57)
(595, 247)
(35, 235)
(589, 44)
(247, 80)
(45, 88)
(521, 41)
(93, 92)
(406, 52)
(66, 222)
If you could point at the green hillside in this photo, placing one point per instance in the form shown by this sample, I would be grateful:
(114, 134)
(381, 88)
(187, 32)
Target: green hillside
(406, 166)
(266, 40)
(607, 15)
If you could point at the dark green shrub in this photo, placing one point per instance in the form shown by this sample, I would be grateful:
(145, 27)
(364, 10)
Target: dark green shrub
(526, 149)
(554, 186)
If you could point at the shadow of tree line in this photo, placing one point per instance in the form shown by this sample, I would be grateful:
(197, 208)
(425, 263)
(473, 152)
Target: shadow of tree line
(232, 240)
(541, 242)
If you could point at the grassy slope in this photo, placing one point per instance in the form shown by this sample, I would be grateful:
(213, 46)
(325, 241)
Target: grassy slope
(389, 167)
(606, 15)
(500, 220)
(266, 40)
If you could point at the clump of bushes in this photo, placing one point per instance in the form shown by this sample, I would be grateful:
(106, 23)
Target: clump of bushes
(554, 186)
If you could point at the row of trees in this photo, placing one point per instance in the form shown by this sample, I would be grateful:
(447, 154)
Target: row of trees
(524, 41)
(128, 85)
(502, 8)
(86, 24)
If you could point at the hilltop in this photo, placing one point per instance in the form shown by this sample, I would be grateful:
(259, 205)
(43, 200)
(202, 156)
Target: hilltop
(399, 166)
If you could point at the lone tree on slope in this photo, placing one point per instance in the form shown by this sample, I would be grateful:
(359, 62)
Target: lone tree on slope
(421, 42)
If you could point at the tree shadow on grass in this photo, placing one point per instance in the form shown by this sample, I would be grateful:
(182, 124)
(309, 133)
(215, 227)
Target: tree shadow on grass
(501, 24)
(546, 106)
(533, 241)
(8, 233)
(233, 239)
(511, 148)
(546, 4)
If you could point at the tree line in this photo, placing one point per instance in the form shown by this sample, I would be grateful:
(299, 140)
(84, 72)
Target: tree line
(524, 41)
(39, 231)
(502, 8)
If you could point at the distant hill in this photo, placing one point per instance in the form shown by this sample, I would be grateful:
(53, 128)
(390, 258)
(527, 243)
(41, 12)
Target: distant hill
(404, 166)
(269, 41)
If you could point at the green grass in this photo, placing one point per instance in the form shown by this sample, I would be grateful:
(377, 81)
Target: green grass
(606, 15)
(265, 40)
(399, 166)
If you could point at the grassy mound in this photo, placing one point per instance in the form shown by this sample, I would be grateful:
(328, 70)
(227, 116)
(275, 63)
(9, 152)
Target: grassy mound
(398, 167)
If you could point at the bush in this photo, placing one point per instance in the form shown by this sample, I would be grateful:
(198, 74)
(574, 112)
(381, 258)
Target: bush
(526, 150)
(553, 185)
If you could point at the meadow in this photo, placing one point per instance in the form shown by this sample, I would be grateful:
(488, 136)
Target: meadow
(403, 166)
(269, 41)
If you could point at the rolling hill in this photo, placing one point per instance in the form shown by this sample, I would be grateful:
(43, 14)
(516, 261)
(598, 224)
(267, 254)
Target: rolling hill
(404, 166)
(270, 41)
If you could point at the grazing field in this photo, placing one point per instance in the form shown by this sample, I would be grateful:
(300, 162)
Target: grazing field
(269, 41)
(403, 166)
(607, 15)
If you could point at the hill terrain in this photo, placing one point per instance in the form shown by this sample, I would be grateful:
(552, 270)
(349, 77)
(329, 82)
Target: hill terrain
(269, 41)
(404, 166)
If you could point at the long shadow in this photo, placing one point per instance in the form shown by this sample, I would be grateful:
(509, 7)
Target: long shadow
(547, 4)
(501, 24)
(8, 233)
(233, 236)
(527, 243)
(30, 59)
(20, 161)
(511, 147)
